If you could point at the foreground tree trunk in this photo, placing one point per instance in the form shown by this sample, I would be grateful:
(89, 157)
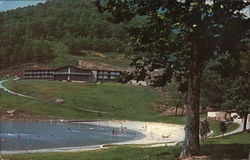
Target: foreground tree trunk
(245, 122)
(182, 111)
(191, 144)
(176, 110)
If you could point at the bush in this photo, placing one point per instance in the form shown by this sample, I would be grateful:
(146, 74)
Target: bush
(204, 130)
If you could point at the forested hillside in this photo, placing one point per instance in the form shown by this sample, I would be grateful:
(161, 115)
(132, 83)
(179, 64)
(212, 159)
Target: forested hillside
(58, 27)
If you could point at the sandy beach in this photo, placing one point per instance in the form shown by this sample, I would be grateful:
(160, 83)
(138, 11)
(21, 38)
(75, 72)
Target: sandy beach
(155, 133)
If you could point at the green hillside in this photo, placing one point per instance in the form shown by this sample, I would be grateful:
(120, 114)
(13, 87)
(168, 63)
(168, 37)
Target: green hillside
(113, 100)
(58, 31)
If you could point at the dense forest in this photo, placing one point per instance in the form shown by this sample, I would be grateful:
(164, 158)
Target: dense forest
(43, 32)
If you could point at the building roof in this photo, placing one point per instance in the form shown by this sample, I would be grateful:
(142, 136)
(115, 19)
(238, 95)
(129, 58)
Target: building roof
(73, 67)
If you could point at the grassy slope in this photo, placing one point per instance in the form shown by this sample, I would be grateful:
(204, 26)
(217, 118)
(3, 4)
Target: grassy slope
(231, 147)
(215, 126)
(119, 101)
(40, 108)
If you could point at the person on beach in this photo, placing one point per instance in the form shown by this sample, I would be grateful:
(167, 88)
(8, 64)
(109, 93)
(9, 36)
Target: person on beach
(144, 128)
(121, 127)
(163, 136)
(18, 135)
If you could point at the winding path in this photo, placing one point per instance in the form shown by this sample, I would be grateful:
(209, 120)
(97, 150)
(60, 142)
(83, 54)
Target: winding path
(34, 98)
(11, 92)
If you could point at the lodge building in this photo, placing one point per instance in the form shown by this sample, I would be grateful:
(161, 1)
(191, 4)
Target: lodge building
(71, 73)
(39, 74)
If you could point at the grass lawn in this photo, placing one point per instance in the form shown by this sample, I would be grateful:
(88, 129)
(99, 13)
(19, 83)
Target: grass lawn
(215, 126)
(6, 78)
(39, 108)
(231, 147)
(118, 101)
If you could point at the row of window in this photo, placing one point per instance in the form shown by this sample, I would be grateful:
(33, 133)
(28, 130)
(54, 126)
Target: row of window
(106, 72)
(74, 73)
(106, 77)
(40, 76)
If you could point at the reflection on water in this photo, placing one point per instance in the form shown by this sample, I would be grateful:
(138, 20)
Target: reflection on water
(41, 135)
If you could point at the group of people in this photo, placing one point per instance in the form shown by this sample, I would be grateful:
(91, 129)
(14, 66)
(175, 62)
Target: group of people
(19, 136)
(122, 129)
(36, 137)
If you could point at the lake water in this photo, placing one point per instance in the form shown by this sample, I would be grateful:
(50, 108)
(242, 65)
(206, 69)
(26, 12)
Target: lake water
(22, 136)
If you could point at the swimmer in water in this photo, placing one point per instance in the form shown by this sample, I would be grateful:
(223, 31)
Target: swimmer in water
(113, 131)
(126, 130)
(18, 135)
(3, 140)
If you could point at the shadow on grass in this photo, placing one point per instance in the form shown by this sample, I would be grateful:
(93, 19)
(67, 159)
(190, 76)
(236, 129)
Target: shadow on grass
(226, 151)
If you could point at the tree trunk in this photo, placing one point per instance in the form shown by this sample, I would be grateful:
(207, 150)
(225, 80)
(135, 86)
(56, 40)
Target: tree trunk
(245, 123)
(176, 110)
(191, 144)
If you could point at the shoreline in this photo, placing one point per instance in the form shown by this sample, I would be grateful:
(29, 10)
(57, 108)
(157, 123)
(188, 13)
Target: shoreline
(153, 134)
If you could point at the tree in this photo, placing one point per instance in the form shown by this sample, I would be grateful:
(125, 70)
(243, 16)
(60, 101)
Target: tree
(223, 127)
(204, 130)
(237, 97)
(179, 39)
(211, 89)
(175, 98)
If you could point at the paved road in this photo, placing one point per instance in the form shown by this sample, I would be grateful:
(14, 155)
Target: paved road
(11, 92)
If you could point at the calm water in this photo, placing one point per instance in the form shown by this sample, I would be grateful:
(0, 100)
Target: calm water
(42, 135)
